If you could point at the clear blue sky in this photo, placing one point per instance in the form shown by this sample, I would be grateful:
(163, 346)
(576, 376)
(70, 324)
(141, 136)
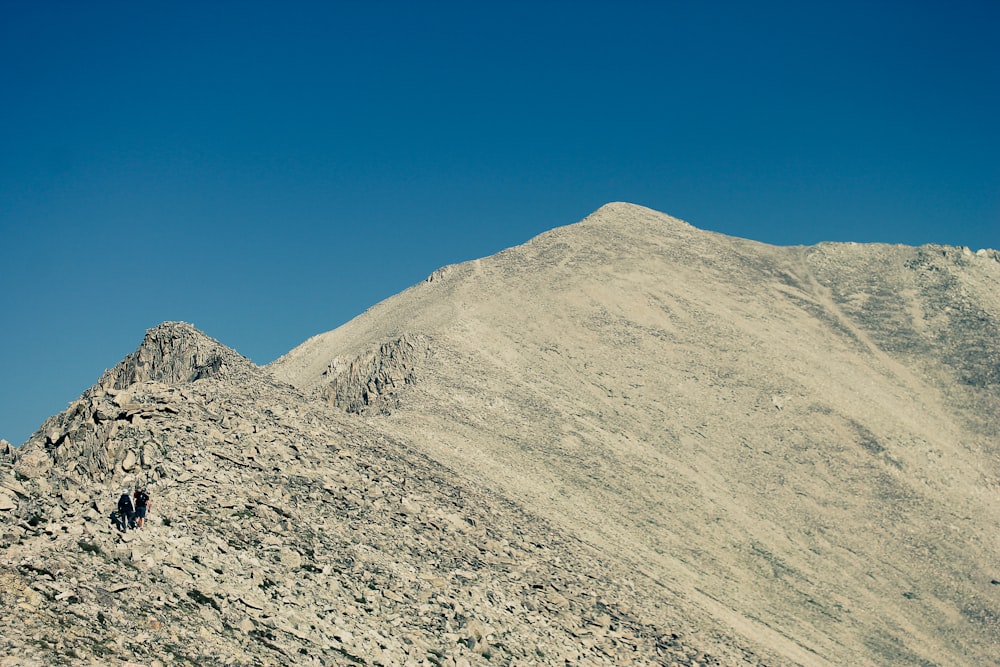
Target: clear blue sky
(268, 170)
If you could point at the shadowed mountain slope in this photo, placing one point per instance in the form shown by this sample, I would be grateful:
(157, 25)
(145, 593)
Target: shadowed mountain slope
(800, 441)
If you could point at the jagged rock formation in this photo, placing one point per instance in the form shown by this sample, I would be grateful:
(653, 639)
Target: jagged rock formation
(105, 425)
(174, 353)
(628, 441)
(371, 383)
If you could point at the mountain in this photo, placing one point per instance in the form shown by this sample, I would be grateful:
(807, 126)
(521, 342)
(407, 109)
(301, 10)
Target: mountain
(627, 441)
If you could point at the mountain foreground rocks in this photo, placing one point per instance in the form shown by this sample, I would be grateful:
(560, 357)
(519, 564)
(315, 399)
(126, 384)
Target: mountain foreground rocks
(628, 441)
(283, 532)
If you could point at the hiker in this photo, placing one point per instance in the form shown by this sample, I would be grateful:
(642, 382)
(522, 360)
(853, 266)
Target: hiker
(126, 513)
(141, 506)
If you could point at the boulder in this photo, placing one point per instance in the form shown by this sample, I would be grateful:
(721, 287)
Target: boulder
(7, 503)
(148, 455)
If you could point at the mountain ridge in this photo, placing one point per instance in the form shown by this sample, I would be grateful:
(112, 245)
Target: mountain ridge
(404, 562)
(761, 454)
(729, 318)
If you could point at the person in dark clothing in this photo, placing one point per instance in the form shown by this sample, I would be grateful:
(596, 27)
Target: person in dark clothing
(126, 513)
(141, 506)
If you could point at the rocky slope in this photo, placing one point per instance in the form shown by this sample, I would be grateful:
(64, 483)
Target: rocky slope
(628, 441)
(801, 442)
(283, 532)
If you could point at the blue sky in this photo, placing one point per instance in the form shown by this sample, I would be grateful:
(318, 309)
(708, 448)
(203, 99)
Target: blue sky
(269, 170)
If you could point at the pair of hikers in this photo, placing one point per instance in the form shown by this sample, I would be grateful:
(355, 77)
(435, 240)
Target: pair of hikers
(132, 511)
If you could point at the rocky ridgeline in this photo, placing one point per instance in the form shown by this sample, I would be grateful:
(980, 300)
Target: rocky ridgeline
(283, 532)
(372, 383)
(175, 353)
(104, 427)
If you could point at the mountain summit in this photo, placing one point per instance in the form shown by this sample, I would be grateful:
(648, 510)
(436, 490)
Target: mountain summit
(175, 353)
(626, 441)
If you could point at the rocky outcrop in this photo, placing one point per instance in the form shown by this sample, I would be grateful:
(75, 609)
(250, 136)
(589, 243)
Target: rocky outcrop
(106, 431)
(174, 353)
(10, 491)
(373, 382)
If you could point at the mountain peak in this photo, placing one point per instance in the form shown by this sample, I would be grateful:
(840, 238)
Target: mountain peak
(618, 211)
(615, 207)
(174, 353)
(144, 385)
